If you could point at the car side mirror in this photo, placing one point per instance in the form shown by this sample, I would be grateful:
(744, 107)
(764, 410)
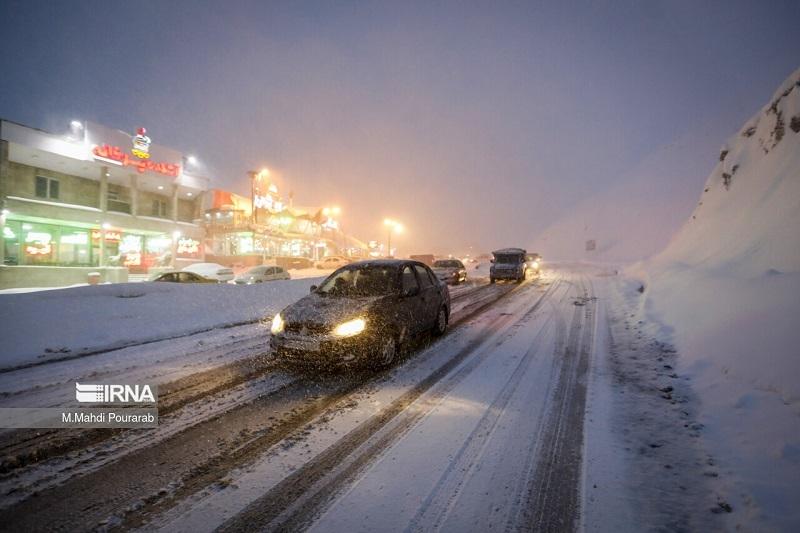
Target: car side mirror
(491, 260)
(312, 288)
(413, 291)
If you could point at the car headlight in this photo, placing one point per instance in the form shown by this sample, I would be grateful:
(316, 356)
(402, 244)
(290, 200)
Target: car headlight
(350, 328)
(277, 324)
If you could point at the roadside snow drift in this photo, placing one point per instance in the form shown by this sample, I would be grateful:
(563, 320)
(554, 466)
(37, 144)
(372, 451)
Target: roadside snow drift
(50, 325)
(727, 290)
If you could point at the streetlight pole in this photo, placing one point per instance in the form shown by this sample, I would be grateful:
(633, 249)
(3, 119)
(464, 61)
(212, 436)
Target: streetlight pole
(392, 225)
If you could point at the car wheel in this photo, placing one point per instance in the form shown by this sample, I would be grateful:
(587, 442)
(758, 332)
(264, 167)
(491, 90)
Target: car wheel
(388, 351)
(440, 326)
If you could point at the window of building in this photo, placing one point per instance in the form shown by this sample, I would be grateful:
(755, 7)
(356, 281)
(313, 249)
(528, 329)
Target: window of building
(159, 208)
(47, 187)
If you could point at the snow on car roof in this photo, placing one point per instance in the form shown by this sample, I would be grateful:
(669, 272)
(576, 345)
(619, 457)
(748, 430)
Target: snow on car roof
(510, 251)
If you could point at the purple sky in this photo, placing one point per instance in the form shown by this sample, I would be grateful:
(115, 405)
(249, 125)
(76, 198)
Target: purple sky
(474, 126)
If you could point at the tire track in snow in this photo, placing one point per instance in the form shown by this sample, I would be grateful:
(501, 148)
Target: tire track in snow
(293, 502)
(441, 500)
(554, 492)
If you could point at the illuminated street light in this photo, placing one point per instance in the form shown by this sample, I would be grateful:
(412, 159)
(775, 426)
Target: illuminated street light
(392, 226)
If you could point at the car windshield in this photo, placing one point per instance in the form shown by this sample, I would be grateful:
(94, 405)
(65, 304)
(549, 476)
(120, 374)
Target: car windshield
(507, 259)
(360, 281)
(447, 263)
(255, 271)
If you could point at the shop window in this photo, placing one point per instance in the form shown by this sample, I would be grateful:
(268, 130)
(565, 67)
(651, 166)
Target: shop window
(47, 187)
(73, 247)
(11, 237)
(159, 208)
(38, 244)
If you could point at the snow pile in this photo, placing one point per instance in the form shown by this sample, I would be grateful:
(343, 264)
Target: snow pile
(726, 288)
(47, 325)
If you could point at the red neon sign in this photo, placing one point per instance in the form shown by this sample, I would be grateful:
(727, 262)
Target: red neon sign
(115, 153)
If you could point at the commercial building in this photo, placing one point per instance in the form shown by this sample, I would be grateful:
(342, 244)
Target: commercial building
(236, 234)
(93, 199)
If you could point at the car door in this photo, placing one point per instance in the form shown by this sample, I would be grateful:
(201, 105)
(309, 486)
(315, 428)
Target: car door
(429, 296)
(411, 309)
(269, 274)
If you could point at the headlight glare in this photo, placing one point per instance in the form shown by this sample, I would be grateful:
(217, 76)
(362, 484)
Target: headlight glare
(350, 328)
(277, 324)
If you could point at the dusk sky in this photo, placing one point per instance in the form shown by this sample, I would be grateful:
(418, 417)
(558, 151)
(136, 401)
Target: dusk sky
(475, 126)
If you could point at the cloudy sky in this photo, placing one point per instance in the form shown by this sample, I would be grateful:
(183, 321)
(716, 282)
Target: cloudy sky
(475, 123)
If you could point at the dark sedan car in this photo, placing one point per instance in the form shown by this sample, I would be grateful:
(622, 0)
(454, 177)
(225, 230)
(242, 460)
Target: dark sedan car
(184, 277)
(361, 314)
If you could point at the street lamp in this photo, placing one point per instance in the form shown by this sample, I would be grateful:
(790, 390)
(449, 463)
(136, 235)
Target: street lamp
(391, 226)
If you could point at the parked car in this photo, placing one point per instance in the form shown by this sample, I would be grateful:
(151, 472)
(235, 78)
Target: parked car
(260, 274)
(450, 271)
(212, 271)
(294, 263)
(183, 277)
(332, 261)
(508, 263)
(361, 313)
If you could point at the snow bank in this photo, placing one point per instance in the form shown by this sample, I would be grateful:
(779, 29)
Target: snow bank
(41, 326)
(726, 290)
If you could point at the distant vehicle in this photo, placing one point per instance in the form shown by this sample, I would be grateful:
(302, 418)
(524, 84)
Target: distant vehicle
(508, 263)
(212, 271)
(428, 259)
(294, 263)
(534, 262)
(361, 314)
(450, 271)
(260, 274)
(332, 261)
(183, 277)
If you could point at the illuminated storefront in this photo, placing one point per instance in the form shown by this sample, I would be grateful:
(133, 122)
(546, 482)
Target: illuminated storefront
(96, 197)
(235, 234)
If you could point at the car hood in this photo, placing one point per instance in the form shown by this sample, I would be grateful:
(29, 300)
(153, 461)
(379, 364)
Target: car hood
(328, 311)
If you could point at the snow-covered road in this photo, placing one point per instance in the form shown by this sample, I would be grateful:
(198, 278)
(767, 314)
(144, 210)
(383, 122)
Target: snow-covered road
(482, 430)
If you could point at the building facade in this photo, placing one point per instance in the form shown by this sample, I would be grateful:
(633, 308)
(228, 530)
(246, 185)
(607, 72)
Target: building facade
(94, 198)
(238, 234)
